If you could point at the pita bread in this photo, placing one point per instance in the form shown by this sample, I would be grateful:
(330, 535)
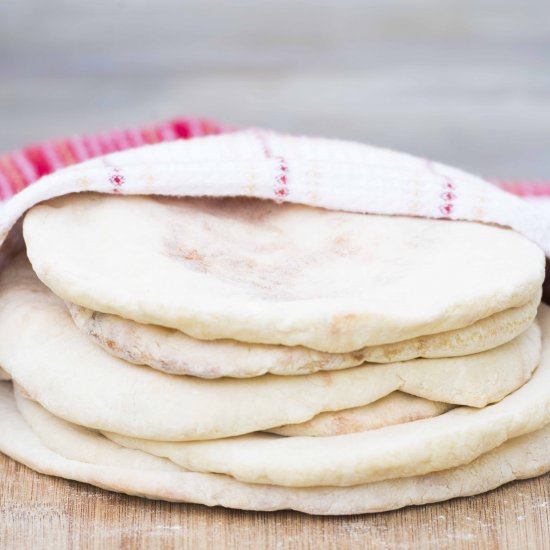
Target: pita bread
(261, 272)
(519, 458)
(4, 375)
(75, 442)
(396, 408)
(172, 351)
(416, 448)
(76, 380)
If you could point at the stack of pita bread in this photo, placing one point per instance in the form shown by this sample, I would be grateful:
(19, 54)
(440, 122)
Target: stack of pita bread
(263, 355)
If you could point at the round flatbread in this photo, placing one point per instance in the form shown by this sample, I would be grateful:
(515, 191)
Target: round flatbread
(62, 369)
(91, 458)
(261, 272)
(172, 351)
(396, 408)
(79, 443)
(416, 448)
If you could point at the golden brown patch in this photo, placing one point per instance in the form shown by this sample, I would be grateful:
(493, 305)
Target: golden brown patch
(341, 245)
(343, 424)
(192, 256)
(340, 323)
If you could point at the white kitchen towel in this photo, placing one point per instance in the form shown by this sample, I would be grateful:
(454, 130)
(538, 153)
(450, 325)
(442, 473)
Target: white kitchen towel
(319, 172)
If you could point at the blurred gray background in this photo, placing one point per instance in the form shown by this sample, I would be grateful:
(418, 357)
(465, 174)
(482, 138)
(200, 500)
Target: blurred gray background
(465, 81)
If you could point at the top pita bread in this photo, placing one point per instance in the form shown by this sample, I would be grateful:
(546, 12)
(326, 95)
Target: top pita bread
(262, 272)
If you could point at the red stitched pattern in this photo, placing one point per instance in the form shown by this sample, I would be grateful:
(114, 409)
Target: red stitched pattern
(448, 197)
(116, 179)
(280, 188)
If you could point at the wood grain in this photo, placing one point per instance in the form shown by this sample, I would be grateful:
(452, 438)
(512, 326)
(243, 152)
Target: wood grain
(42, 512)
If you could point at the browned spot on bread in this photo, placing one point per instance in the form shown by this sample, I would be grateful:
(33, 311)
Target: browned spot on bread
(111, 344)
(340, 323)
(342, 245)
(343, 424)
(326, 378)
(192, 256)
(195, 257)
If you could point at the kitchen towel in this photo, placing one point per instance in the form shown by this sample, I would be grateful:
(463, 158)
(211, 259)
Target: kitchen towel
(196, 157)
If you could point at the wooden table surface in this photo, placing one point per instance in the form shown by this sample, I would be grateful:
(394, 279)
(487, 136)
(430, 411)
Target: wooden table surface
(41, 512)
